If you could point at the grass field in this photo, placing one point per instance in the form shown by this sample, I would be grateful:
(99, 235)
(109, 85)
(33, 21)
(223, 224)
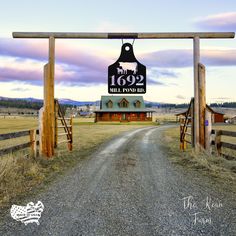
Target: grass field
(21, 174)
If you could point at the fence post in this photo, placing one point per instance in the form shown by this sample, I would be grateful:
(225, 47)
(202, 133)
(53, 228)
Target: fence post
(33, 142)
(208, 128)
(218, 142)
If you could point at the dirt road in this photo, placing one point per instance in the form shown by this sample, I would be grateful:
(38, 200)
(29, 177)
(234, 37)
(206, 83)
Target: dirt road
(129, 187)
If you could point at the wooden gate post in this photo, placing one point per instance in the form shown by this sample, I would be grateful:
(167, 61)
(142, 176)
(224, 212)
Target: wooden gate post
(202, 104)
(47, 126)
(196, 57)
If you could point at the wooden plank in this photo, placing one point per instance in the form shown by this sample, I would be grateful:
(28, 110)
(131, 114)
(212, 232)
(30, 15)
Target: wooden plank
(14, 135)
(196, 60)
(63, 118)
(186, 125)
(120, 35)
(187, 141)
(63, 141)
(14, 148)
(61, 134)
(228, 145)
(202, 104)
(228, 133)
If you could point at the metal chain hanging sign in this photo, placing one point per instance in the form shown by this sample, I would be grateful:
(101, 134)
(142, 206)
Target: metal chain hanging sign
(127, 75)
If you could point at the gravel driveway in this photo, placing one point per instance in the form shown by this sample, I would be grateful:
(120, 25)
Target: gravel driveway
(129, 187)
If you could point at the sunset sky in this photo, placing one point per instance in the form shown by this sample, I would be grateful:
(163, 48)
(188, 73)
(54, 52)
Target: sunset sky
(81, 65)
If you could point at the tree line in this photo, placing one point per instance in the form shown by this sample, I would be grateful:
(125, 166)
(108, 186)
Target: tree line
(24, 104)
(36, 105)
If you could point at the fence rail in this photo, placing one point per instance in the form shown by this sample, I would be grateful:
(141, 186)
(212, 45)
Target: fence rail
(219, 144)
(32, 141)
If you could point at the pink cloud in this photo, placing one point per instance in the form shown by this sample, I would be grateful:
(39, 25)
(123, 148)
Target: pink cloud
(73, 65)
(38, 50)
(76, 66)
(221, 22)
(184, 58)
(72, 77)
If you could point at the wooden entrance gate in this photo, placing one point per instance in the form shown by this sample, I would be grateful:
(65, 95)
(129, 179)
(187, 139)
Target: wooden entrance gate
(48, 114)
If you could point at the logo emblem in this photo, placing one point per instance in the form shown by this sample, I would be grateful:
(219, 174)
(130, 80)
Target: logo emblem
(127, 75)
(27, 214)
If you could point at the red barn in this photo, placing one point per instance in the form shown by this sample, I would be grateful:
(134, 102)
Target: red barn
(217, 117)
(123, 109)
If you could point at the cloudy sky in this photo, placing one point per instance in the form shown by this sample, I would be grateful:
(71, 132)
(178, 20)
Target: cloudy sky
(81, 65)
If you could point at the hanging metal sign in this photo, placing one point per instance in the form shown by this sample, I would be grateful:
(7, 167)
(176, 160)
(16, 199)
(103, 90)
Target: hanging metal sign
(127, 75)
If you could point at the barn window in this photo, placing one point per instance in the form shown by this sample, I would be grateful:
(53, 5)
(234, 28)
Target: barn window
(124, 103)
(109, 104)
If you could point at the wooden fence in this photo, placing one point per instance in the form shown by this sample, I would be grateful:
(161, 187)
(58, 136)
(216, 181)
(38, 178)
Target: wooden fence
(217, 142)
(32, 142)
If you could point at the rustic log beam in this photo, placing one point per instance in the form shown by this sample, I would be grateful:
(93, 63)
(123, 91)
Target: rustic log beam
(124, 35)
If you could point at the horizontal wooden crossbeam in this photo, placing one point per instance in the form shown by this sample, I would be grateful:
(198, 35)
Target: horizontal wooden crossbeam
(123, 35)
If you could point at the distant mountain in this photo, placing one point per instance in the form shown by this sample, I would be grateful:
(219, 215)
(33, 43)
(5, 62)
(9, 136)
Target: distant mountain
(66, 101)
(63, 101)
(77, 103)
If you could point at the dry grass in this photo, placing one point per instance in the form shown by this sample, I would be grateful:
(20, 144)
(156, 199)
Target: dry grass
(12, 124)
(164, 118)
(212, 165)
(21, 175)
